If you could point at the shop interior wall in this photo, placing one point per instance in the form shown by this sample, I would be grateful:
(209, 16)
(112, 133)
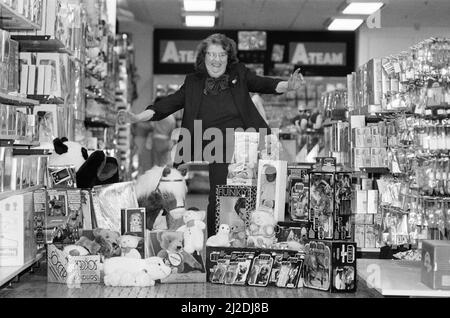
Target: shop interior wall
(142, 37)
(380, 42)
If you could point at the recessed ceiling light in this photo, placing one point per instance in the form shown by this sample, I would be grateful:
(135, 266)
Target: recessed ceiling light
(362, 7)
(345, 24)
(199, 5)
(200, 20)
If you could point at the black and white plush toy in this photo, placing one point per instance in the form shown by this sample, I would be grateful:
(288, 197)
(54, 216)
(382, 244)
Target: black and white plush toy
(91, 170)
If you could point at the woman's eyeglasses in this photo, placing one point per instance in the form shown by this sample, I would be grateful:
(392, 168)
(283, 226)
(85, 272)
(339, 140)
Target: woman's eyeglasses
(221, 55)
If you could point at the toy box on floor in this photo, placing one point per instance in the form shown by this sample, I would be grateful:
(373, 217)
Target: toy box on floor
(435, 264)
(254, 267)
(330, 266)
(66, 269)
(171, 247)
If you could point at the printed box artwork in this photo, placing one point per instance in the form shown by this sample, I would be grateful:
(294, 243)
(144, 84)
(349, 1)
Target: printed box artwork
(40, 211)
(169, 245)
(243, 169)
(62, 176)
(286, 270)
(330, 266)
(66, 269)
(233, 207)
(254, 267)
(435, 264)
(298, 193)
(321, 213)
(271, 189)
(133, 223)
(64, 216)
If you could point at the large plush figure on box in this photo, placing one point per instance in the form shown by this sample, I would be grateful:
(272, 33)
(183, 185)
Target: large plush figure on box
(162, 191)
(91, 170)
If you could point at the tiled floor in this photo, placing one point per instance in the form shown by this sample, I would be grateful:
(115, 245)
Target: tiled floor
(35, 286)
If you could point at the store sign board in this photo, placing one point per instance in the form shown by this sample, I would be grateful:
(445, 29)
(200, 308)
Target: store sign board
(177, 51)
(318, 53)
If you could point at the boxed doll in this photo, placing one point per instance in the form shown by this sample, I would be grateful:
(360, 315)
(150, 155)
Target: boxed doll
(171, 247)
(271, 188)
(243, 168)
(133, 223)
(330, 266)
(17, 240)
(233, 207)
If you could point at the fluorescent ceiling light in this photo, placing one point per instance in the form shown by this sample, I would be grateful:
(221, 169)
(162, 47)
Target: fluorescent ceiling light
(199, 5)
(362, 7)
(345, 24)
(200, 20)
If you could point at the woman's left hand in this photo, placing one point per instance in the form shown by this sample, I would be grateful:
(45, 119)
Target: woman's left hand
(296, 80)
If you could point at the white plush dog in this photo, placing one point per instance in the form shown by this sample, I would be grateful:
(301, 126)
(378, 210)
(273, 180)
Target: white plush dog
(124, 271)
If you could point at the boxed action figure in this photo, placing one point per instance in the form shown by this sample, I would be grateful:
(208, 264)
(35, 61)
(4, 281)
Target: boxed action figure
(298, 192)
(271, 188)
(330, 266)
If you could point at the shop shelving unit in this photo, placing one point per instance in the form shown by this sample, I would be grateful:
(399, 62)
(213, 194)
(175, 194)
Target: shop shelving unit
(8, 273)
(12, 20)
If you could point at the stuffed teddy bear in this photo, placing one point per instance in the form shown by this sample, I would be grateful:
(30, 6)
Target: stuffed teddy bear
(109, 242)
(172, 251)
(261, 232)
(193, 231)
(91, 170)
(128, 244)
(124, 271)
(222, 238)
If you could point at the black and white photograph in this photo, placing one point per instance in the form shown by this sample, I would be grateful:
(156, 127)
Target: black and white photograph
(239, 156)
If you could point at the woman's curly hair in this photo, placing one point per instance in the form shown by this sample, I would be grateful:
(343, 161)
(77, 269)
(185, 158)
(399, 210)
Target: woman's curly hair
(229, 45)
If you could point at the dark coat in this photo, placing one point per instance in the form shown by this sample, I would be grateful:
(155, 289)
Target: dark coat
(189, 97)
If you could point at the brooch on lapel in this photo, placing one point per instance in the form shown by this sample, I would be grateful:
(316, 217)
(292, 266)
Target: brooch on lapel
(234, 81)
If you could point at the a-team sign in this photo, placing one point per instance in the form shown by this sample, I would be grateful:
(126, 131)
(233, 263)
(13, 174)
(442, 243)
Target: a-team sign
(178, 52)
(318, 53)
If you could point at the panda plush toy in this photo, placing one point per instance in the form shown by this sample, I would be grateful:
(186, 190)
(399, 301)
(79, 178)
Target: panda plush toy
(91, 169)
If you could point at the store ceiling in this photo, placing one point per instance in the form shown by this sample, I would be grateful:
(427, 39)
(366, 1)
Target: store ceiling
(290, 14)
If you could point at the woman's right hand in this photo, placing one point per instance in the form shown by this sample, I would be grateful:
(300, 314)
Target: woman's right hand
(126, 117)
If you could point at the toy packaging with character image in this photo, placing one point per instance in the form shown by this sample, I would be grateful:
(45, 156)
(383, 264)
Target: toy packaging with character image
(219, 270)
(271, 188)
(330, 266)
(321, 212)
(298, 192)
(133, 223)
(233, 206)
(169, 245)
(243, 168)
(260, 270)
